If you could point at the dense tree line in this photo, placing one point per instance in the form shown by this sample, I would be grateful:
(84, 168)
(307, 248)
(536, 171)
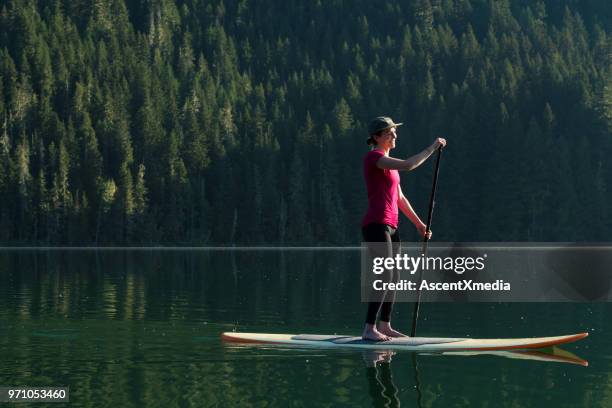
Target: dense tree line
(243, 122)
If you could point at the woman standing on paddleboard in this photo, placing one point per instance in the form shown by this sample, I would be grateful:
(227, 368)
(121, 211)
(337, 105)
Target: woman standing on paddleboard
(380, 222)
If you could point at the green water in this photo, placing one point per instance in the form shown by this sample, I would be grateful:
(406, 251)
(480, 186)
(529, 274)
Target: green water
(141, 328)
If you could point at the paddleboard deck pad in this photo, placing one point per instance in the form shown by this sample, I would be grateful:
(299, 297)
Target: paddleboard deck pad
(436, 344)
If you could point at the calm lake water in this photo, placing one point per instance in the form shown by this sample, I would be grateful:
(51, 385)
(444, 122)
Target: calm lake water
(135, 328)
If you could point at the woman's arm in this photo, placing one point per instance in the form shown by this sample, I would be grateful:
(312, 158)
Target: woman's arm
(404, 205)
(390, 163)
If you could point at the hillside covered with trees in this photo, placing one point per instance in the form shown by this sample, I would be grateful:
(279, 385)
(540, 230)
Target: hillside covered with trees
(192, 122)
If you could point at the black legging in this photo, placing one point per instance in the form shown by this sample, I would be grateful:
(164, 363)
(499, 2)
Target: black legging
(382, 233)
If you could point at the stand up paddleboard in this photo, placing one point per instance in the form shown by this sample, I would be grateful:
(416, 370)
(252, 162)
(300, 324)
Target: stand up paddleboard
(436, 344)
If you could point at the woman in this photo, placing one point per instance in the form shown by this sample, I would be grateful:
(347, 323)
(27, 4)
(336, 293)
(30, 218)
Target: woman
(380, 222)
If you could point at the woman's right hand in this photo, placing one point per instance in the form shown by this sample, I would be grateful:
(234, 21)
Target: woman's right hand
(424, 232)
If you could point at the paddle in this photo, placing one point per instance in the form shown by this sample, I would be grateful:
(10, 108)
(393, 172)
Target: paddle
(415, 316)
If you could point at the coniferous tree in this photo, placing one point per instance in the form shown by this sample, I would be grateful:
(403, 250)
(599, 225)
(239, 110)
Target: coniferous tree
(166, 122)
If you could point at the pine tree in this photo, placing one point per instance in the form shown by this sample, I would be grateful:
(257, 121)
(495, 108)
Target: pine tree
(196, 144)
(298, 229)
(218, 106)
(90, 170)
(343, 117)
(24, 180)
(108, 193)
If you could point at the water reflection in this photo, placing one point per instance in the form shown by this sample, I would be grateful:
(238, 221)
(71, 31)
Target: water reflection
(384, 392)
(147, 284)
(382, 389)
(141, 328)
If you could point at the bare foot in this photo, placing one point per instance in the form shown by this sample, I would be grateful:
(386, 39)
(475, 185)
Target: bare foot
(371, 333)
(386, 329)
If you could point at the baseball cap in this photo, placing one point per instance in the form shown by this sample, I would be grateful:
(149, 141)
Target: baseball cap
(381, 123)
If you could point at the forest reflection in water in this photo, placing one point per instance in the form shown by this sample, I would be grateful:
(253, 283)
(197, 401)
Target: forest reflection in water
(142, 327)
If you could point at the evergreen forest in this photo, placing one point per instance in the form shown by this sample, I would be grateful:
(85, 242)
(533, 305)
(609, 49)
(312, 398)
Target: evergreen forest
(242, 122)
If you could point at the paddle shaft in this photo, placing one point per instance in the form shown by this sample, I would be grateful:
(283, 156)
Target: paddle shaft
(432, 202)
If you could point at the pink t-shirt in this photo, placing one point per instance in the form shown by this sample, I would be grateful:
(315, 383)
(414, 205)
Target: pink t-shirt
(382, 187)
